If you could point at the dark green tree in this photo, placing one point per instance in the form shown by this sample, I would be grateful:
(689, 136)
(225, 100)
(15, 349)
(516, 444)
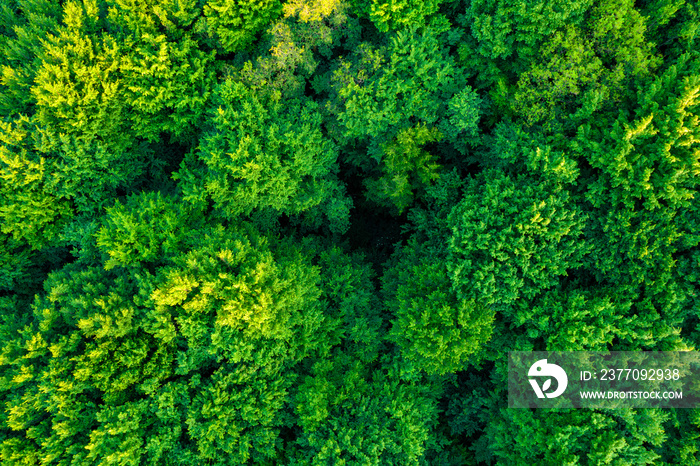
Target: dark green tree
(392, 101)
(265, 157)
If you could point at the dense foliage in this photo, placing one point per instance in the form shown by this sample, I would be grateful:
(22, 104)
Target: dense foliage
(308, 232)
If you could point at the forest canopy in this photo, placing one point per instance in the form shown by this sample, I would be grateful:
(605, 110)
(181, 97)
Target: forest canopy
(308, 232)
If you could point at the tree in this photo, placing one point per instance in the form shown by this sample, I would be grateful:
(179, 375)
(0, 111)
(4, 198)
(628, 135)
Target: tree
(501, 28)
(345, 401)
(265, 157)
(433, 327)
(209, 342)
(396, 14)
(105, 88)
(384, 90)
(571, 437)
(149, 228)
(21, 55)
(673, 26)
(513, 237)
(583, 69)
(236, 23)
(294, 48)
(641, 192)
(406, 167)
(29, 209)
(389, 102)
(436, 331)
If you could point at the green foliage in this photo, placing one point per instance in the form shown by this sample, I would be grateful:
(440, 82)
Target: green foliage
(230, 307)
(350, 393)
(29, 210)
(673, 24)
(21, 54)
(47, 175)
(513, 237)
(383, 91)
(15, 261)
(558, 69)
(394, 100)
(136, 77)
(575, 320)
(573, 69)
(461, 125)
(654, 157)
(149, 228)
(574, 437)
(432, 326)
(166, 84)
(681, 444)
(501, 28)
(406, 167)
(182, 281)
(344, 402)
(79, 77)
(647, 169)
(396, 14)
(264, 156)
(296, 46)
(309, 11)
(585, 68)
(100, 82)
(517, 151)
(235, 23)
